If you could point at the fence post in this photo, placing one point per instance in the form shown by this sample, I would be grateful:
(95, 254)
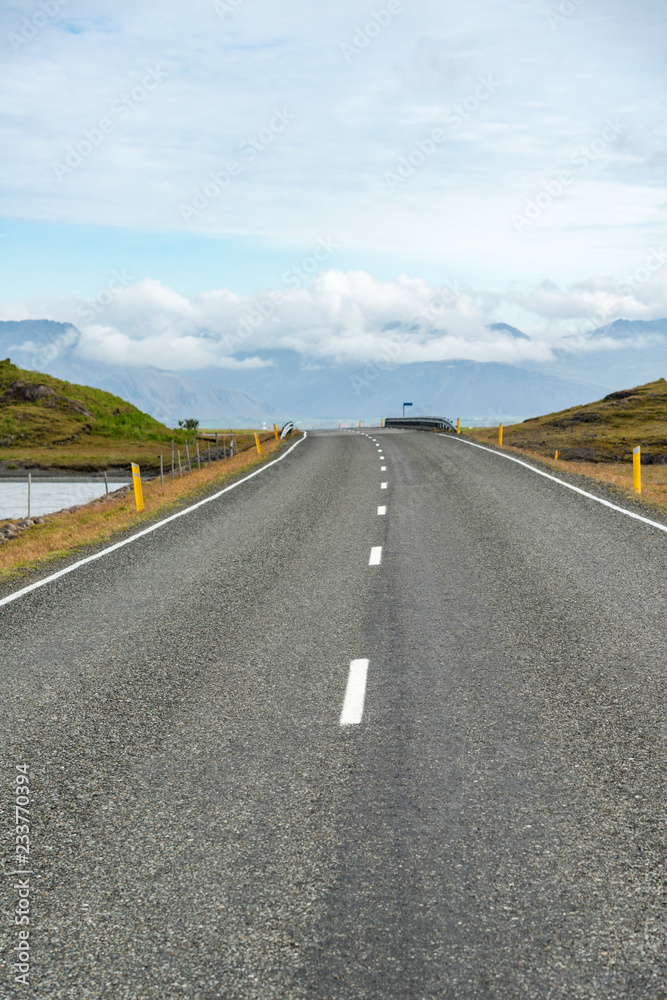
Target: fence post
(172, 460)
(637, 469)
(138, 492)
(180, 467)
(187, 455)
(106, 484)
(29, 490)
(198, 459)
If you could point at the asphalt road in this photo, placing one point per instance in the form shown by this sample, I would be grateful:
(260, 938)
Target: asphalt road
(204, 827)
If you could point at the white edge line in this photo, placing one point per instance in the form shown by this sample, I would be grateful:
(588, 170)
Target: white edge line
(569, 486)
(355, 694)
(144, 531)
(376, 555)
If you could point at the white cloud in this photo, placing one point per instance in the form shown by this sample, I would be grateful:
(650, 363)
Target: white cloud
(225, 76)
(351, 319)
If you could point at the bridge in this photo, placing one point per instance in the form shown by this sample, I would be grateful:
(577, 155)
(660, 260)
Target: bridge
(421, 423)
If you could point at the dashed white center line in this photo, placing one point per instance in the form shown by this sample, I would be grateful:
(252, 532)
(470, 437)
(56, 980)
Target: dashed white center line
(383, 468)
(355, 694)
(383, 486)
(382, 510)
(376, 556)
(382, 457)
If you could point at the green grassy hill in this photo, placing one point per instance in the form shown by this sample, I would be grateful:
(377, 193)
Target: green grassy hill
(47, 422)
(604, 431)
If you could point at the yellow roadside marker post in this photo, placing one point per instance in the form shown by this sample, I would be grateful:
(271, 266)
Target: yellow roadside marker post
(500, 436)
(259, 447)
(360, 423)
(458, 425)
(275, 432)
(637, 469)
(138, 492)
(556, 455)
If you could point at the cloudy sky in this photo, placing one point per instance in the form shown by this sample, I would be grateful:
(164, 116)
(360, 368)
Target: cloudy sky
(207, 179)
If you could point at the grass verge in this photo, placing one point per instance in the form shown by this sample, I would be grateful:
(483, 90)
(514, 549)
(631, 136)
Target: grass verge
(603, 431)
(95, 454)
(617, 474)
(68, 532)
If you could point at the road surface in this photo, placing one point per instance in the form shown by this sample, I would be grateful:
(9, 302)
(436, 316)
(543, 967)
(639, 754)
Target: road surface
(487, 822)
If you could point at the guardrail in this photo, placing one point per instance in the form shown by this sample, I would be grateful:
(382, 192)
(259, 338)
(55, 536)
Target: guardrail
(421, 423)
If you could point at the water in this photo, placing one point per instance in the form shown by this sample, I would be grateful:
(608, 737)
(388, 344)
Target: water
(48, 495)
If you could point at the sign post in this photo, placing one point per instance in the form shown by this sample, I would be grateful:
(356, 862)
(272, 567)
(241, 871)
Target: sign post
(138, 492)
(404, 405)
(637, 469)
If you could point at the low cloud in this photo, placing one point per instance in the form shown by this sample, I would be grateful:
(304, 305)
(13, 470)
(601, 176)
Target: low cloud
(352, 318)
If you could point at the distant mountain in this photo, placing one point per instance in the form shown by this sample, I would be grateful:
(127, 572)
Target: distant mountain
(512, 330)
(617, 366)
(289, 387)
(42, 345)
(171, 397)
(475, 391)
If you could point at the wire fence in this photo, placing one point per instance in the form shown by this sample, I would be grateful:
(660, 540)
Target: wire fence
(205, 448)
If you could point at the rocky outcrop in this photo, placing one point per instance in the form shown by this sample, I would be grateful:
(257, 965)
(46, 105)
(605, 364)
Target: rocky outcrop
(28, 391)
(14, 528)
(34, 392)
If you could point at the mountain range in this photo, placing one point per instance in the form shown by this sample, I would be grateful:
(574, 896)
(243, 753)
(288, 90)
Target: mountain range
(287, 387)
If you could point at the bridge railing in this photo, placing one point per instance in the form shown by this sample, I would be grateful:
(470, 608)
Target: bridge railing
(421, 423)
